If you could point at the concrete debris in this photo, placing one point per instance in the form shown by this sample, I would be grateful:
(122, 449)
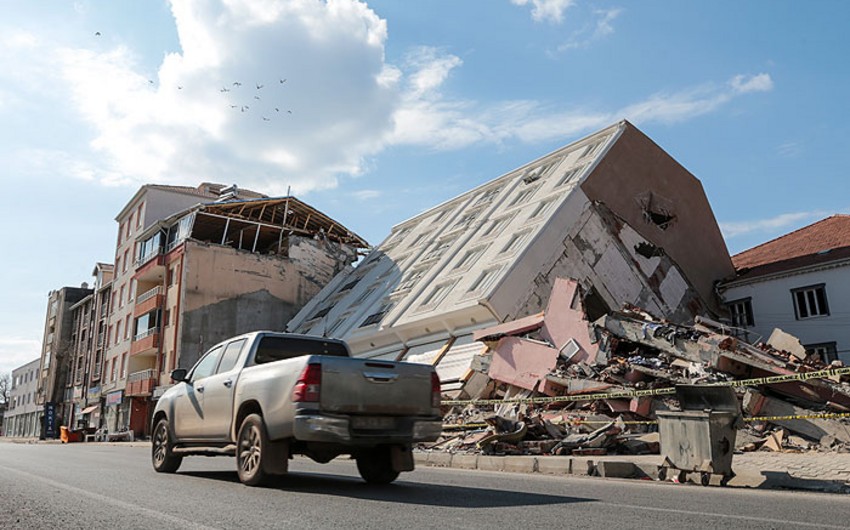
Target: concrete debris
(559, 353)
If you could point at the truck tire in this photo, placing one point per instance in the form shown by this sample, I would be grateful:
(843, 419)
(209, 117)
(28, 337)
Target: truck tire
(376, 466)
(162, 454)
(252, 448)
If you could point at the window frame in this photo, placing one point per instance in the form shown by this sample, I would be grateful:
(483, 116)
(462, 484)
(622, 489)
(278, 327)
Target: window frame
(749, 317)
(797, 292)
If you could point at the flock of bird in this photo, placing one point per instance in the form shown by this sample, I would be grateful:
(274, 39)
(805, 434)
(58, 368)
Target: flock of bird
(234, 88)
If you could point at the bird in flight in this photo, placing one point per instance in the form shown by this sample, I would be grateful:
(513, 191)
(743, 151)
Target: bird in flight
(282, 81)
(256, 97)
(237, 83)
(266, 119)
(150, 81)
(224, 89)
(245, 107)
(233, 106)
(97, 34)
(276, 109)
(259, 86)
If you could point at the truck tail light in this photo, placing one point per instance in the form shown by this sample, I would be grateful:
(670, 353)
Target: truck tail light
(309, 385)
(435, 390)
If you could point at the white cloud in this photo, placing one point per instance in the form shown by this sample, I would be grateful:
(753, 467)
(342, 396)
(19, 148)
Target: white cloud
(442, 123)
(16, 352)
(592, 32)
(189, 120)
(783, 221)
(755, 83)
(365, 195)
(546, 10)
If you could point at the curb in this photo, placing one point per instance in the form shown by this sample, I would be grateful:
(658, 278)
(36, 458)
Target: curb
(622, 468)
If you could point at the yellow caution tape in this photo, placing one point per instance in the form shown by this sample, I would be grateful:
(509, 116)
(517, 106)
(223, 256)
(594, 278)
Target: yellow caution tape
(805, 376)
(814, 416)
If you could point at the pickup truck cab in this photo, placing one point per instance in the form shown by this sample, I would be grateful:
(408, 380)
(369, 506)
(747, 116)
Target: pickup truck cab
(265, 396)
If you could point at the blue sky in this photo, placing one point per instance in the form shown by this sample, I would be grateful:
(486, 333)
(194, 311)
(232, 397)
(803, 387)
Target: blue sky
(391, 107)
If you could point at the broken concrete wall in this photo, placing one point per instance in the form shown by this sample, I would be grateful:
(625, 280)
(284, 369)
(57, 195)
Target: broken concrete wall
(226, 291)
(666, 205)
(615, 267)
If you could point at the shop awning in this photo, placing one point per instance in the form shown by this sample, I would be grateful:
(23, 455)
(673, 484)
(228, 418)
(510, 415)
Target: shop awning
(89, 410)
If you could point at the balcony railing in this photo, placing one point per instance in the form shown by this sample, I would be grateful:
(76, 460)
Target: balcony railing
(147, 295)
(141, 383)
(147, 257)
(145, 343)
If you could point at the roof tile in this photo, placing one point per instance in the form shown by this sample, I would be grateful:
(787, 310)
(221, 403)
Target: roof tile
(828, 234)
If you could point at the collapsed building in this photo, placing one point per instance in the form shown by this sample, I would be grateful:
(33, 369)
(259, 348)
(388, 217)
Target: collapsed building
(557, 383)
(612, 210)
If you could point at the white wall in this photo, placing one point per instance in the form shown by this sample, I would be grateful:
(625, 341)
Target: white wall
(773, 307)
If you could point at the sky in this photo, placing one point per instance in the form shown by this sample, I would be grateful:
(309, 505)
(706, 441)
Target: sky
(375, 111)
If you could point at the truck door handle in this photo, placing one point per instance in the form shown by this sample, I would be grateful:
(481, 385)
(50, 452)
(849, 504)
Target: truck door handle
(228, 383)
(380, 377)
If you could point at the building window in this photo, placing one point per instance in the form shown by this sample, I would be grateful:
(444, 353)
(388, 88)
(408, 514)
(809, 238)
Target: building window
(497, 226)
(410, 279)
(487, 197)
(376, 317)
(810, 301)
(485, 281)
(439, 249)
(523, 196)
(741, 312)
(470, 257)
(349, 285)
(515, 242)
(542, 209)
(827, 351)
(438, 294)
(570, 175)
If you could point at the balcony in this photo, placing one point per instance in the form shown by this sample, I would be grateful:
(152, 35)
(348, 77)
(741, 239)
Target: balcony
(141, 383)
(150, 268)
(148, 301)
(146, 343)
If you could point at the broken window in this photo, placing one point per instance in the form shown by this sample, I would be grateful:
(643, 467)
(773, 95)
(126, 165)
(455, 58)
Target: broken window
(439, 249)
(741, 312)
(410, 279)
(657, 210)
(349, 285)
(810, 301)
(465, 220)
(827, 351)
(538, 172)
(591, 149)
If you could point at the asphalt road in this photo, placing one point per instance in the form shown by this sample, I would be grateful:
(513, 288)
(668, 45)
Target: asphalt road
(114, 486)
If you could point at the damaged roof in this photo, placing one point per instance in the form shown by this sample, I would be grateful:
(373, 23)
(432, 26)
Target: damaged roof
(820, 242)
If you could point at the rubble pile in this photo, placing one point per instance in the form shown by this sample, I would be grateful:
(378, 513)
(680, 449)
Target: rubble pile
(582, 376)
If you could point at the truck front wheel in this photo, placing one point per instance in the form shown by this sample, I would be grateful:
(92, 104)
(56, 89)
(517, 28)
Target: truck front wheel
(376, 466)
(252, 448)
(162, 455)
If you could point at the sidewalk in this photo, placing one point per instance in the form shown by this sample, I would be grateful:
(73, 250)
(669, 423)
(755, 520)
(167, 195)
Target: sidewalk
(825, 472)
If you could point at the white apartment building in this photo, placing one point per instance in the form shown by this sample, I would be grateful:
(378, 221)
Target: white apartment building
(23, 416)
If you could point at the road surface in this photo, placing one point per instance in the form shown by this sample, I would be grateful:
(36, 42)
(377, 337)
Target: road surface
(114, 486)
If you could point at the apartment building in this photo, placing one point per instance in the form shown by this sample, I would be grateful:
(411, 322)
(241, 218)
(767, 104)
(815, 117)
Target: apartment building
(91, 318)
(150, 204)
(220, 269)
(23, 415)
(612, 211)
(53, 394)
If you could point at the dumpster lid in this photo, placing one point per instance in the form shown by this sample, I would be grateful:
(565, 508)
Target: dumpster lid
(701, 397)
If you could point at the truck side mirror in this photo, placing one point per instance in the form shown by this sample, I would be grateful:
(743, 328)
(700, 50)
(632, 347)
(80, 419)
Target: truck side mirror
(179, 375)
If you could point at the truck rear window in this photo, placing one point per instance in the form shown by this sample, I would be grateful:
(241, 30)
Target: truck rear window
(277, 348)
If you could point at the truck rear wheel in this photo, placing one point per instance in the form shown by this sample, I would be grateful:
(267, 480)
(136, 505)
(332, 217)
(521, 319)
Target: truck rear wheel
(162, 455)
(252, 448)
(376, 466)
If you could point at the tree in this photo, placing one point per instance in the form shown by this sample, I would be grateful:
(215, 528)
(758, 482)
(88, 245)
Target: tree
(5, 389)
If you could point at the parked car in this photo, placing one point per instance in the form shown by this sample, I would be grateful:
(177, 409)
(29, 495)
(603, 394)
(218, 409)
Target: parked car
(264, 397)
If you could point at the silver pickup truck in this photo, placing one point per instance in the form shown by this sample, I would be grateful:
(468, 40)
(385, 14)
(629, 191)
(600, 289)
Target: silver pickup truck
(266, 396)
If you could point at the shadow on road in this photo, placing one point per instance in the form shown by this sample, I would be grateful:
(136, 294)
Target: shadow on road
(400, 491)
